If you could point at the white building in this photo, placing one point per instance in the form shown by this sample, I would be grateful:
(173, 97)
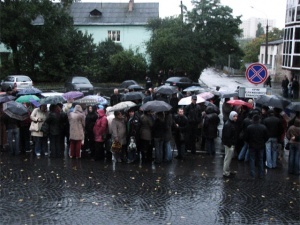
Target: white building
(249, 26)
(291, 39)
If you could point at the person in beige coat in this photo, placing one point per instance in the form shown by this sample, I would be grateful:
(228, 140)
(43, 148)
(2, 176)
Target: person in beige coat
(39, 116)
(77, 124)
(118, 128)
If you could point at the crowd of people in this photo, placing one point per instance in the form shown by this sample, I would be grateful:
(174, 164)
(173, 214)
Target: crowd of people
(290, 88)
(256, 134)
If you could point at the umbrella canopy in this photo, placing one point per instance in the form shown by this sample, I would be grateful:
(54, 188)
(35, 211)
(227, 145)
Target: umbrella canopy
(228, 94)
(206, 95)
(6, 98)
(188, 100)
(135, 87)
(238, 102)
(29, 91)
(127, 83)
(194, 88)
(52, 100)
(27, 98)
(15, 110)
(131, 96)
(93, 99)
(166, 90)
(47, 94)
(122, 106)
(156, 106)
(72, 95)
(294, 106)
(273, 100)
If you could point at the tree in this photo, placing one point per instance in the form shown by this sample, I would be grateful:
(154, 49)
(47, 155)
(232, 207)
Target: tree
(260, 30)
(209, 32)
(128, 65)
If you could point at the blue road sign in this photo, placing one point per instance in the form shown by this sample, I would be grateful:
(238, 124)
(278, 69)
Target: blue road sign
(256, 73)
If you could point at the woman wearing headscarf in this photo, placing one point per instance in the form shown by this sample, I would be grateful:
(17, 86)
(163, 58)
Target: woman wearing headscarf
(77, 125)
(39, 116)
(100, 130)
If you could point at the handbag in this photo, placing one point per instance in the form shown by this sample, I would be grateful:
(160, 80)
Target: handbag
(34, 126)
(116, 147)
(45, 129)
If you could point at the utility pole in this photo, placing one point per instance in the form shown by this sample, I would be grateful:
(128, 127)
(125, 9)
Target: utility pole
(267, 44)
(181, 7)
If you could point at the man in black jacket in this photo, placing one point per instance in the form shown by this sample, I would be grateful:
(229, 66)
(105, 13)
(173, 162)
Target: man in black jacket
(275, 130)
(229, 138)
(256, 135)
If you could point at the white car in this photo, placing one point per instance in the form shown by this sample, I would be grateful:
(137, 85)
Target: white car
(16, 81)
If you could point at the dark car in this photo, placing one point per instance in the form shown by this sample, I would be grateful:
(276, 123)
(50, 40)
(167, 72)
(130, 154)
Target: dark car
(78, 83)
(181, 82)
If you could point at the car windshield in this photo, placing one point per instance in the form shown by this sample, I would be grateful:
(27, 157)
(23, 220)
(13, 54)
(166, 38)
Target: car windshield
(80, 80)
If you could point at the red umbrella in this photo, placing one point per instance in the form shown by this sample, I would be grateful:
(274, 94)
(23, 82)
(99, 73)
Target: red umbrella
(238, 102)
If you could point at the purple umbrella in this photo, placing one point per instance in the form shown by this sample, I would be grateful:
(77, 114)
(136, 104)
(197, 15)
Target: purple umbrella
(72, 95)
(6, 98)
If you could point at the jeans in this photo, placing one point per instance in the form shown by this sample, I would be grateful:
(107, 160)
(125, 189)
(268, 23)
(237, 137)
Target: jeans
(259, 154)
(159, 147)
(40, 145)
(294, 158)
(167, 151)
(13, 138)
(244, 153)
(210, 145)
(229, 151)
(271, 152)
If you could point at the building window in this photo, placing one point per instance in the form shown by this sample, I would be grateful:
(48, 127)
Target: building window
(114, 35)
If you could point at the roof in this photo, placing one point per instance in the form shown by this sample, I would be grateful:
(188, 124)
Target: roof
(94, 13)
(276, 42)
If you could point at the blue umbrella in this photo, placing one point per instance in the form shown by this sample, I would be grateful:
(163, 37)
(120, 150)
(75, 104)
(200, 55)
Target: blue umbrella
(29, 91)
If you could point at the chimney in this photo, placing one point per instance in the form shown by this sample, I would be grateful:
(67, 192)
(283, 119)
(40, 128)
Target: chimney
(130, 5)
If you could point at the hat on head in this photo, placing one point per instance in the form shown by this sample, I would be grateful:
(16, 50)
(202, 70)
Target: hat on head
(232, 114)
(194, 97)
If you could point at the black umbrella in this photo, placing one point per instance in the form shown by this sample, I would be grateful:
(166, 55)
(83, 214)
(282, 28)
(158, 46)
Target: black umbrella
(294, 106)
(6, 98)
(273, 100)
(130, 96)
(135, 87)
(53, 100)
(127, 83)
(228, 94)
(29, 91)
(15, 110)
(156, 106)
(167, 90)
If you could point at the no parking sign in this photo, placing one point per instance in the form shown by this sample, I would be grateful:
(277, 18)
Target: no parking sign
(256, 73)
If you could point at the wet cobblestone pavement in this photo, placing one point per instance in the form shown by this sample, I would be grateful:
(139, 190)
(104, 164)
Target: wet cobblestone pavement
(70, 191)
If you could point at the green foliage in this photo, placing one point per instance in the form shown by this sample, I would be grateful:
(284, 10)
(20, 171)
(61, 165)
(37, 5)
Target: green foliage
(260, 30)
(127, 65)
(208, 34)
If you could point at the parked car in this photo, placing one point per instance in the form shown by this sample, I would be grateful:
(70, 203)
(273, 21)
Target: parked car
(78, 83)
(16, 81)
(181, 82)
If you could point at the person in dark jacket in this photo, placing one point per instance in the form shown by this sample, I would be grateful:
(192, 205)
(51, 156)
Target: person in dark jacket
(275, 130)
(284, 86)
(229, 138)
(159, 129)
(295, 88)
(210, 129)
(194, 114)
(13, 133)
(90, 121)
(133, 125)
(55, 132)
(115, 98)
(168, 136)
(180, 132)
(256, 135)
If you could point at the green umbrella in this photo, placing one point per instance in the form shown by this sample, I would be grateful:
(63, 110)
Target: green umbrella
(27, 98)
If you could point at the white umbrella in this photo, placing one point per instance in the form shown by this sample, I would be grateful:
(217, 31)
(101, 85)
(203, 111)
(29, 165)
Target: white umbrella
(122, 106)
(188, 100)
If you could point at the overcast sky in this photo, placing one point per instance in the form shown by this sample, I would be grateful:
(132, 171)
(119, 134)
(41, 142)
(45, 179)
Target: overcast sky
(271, 9)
